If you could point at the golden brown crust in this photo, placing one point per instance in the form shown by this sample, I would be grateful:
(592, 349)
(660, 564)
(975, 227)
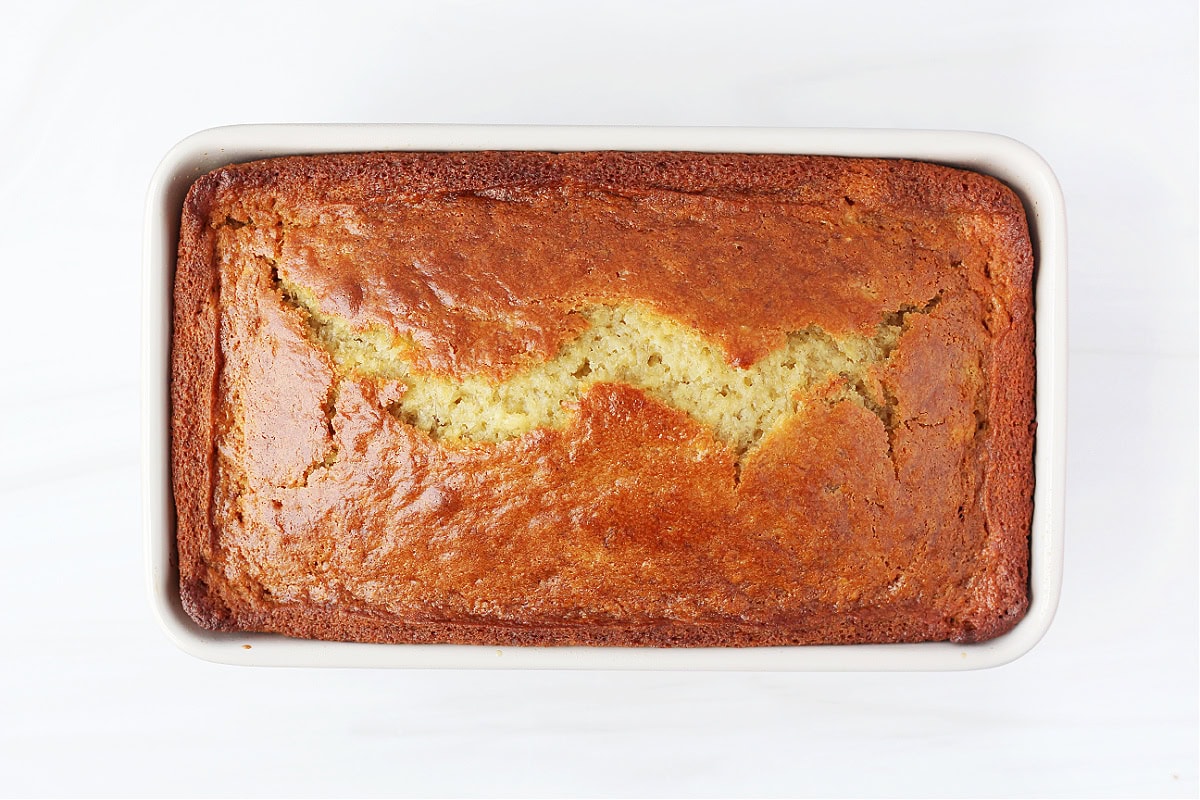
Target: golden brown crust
(305, 508)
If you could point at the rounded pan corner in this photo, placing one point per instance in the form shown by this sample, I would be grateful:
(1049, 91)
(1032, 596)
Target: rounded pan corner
(184, 633)
(1018, 642)
(1006, 159)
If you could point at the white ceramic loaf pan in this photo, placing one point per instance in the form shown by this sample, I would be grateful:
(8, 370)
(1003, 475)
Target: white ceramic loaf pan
(1003, 158)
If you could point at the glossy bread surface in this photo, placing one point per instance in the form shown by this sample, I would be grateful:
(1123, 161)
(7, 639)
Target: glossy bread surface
(890, 501)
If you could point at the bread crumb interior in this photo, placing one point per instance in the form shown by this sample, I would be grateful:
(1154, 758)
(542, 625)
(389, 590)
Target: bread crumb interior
(625, 344)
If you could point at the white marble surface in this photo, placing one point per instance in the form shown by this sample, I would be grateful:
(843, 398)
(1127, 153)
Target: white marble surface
(96, 701)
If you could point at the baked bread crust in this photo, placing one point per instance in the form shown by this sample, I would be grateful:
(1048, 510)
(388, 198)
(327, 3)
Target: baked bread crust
(894, 511)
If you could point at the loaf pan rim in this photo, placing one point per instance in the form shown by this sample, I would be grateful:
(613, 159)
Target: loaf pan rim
(1010, 161)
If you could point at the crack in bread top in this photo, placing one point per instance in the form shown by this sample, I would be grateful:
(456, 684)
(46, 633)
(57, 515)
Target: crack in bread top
(626, 344)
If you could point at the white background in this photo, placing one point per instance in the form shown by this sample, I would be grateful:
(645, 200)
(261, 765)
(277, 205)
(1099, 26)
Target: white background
(94, 699)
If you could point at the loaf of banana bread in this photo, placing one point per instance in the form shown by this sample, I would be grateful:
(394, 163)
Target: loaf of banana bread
(663, 399)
